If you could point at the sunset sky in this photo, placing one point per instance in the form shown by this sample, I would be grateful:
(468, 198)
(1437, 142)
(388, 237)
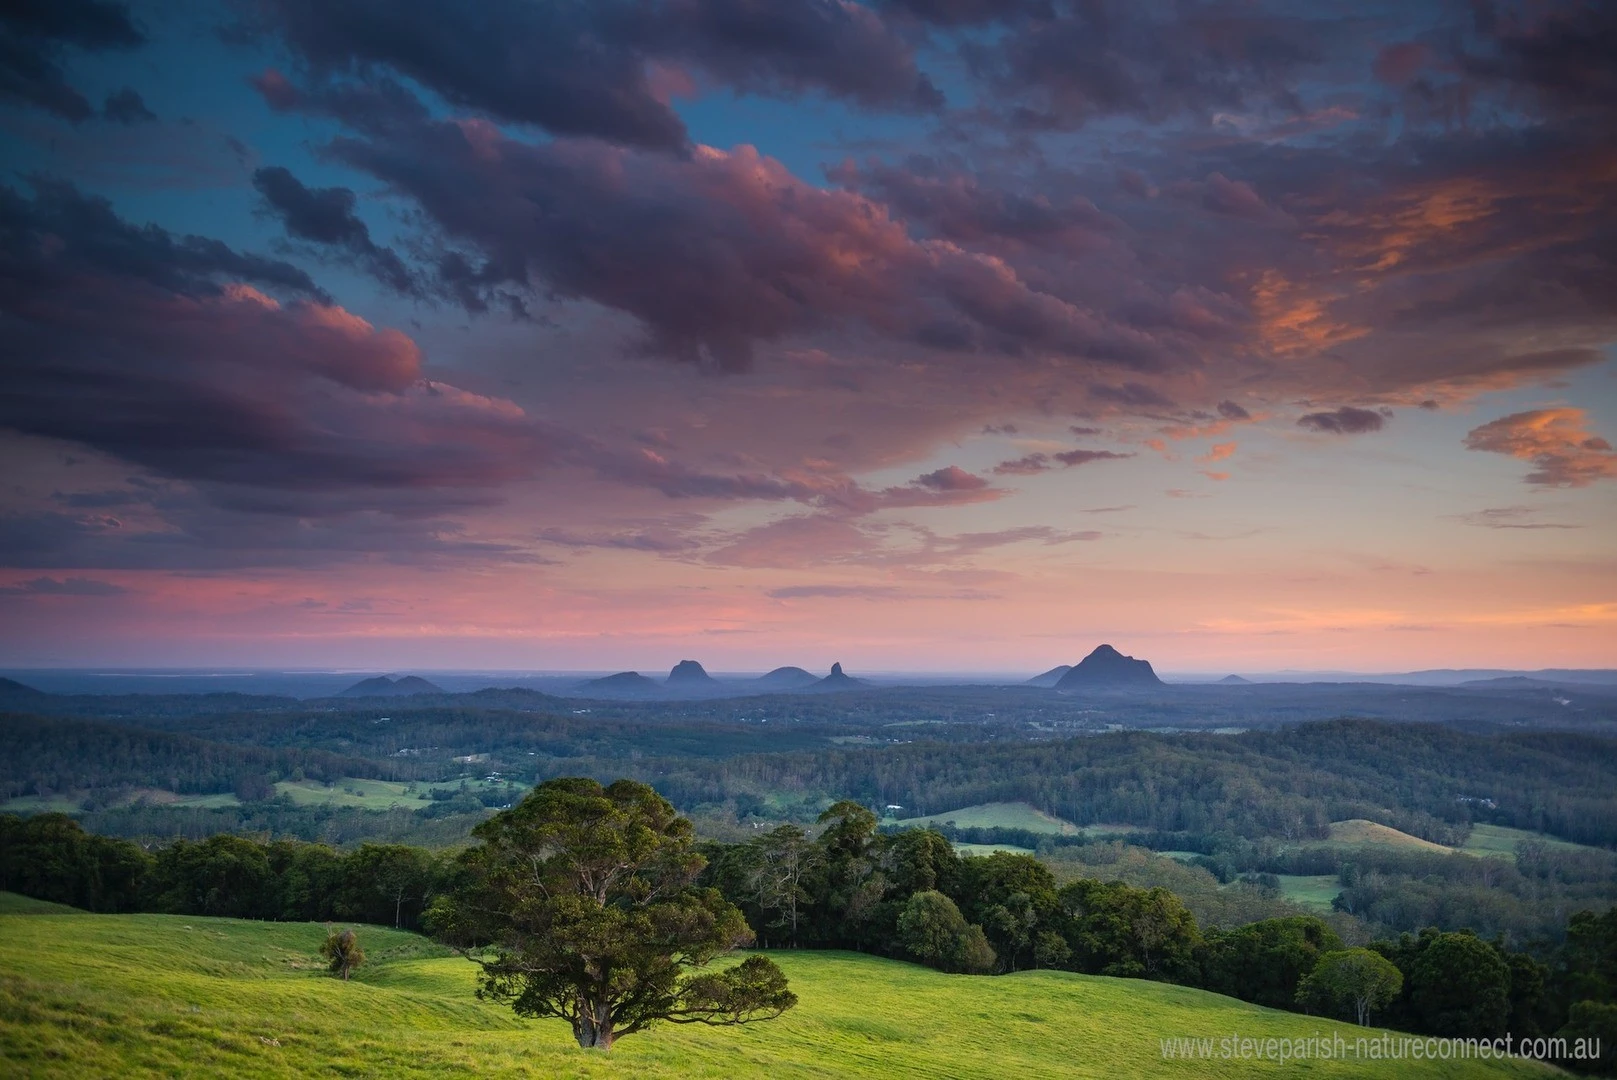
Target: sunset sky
(926, 335)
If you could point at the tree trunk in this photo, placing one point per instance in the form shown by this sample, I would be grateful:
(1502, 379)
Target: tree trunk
(594, 1026)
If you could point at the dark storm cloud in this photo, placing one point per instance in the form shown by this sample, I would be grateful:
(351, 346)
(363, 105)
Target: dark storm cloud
(963, 13)
(62, 231)
(1565, 53)
(1094, 58)
(1344, 421)
(786, 47)
(546, 64)
(35, 36)
(959, 206)
(712, 253)
(326, 216)
(587, 67)
(152, 348)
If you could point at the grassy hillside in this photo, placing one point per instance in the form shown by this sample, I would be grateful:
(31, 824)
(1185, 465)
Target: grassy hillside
(150, 995)
(1003, 815)
(12, 904)
(1358, 832)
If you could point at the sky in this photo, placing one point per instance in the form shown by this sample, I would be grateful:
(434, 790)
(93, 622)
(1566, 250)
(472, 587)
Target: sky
(920, 335)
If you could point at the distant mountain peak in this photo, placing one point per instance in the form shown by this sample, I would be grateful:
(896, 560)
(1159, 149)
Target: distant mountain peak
(1234, 680)
(382, 686)
(789, 678)
(837, 680)
(1049, 678)
(1106, 667)
(687, 672)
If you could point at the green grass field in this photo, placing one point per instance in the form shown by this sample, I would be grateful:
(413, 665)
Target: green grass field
(373, 794)
(1004, 815)
(365, 794)
(1499, 841)
(35, 804)
(989, 849)
(12, 904)
(160, 995)
(1310, 890)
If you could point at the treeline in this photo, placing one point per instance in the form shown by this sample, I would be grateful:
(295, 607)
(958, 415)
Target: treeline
(42, 755)
(1289, 783)
(908, 895)
(51, 857)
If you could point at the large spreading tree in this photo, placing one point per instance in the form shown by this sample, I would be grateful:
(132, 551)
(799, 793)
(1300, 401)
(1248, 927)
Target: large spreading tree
(580, 903)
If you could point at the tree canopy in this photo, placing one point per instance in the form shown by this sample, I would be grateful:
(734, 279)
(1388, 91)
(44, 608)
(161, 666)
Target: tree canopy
(579, 903)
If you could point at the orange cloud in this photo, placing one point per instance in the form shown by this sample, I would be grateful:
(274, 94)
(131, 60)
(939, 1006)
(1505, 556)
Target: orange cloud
(1219, 452)
(1563, 451)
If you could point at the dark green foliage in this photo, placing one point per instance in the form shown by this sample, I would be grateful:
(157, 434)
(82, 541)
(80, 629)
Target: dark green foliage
(222, 875)
(932, 930)
(1593, 1020)
(1264, 962)
(1459, 985)
(1455, 984)
(1013, 898)
(1115, 929)
(386, 883)
(1588, 962)
(50, 857)
(580, 904)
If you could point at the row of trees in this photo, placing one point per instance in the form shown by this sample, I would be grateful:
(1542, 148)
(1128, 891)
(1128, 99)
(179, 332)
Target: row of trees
(909, 895)
(51, 857)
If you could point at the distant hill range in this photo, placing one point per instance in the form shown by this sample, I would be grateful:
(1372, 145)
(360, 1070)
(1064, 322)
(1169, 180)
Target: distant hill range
(787, 678)
(1108, 669)
(1234, 680)
(13, 688)
(382, 686)
(1049, 678)
(1510, 682)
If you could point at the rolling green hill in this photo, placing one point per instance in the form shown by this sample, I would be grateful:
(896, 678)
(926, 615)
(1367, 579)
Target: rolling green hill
(155, 995)
(1003, 815)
